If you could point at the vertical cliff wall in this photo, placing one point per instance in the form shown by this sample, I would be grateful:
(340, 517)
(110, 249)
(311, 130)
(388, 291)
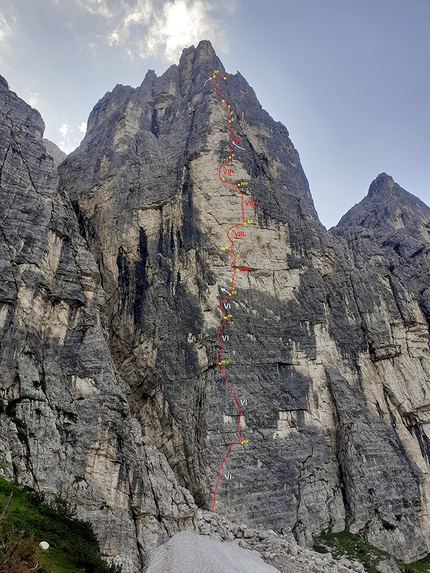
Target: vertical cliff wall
(65, 423)
(322, 347)
(388, 233)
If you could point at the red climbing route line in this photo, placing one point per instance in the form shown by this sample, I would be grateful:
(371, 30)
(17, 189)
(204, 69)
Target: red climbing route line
(222, 171)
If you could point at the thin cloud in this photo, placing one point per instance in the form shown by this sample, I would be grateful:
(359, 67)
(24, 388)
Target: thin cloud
(98, 7)
(5, 28)
(6, 32)
(160, 28)
(182, 23)
(70, 137)
(93, 48)
(64, 129)
(33, 99)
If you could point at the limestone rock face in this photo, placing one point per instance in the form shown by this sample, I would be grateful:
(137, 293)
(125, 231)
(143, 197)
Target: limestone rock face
(389, 235)
(54, 151)
(110, 318)
(65, 424)
(324, 350)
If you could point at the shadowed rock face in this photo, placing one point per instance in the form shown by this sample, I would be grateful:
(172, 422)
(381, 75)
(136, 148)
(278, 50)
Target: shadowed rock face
(389, 235)
(65, 424)
(328, 345)
(318, 345)
(54, 151)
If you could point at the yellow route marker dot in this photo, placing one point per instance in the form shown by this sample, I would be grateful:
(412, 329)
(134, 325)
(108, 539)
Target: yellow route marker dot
(249, 220)
(217, 502)
(244, 442)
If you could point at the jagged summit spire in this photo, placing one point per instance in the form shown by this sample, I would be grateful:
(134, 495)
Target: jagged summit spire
(197, 64)
(384, 188)
(386, 208)
(204, 49)
(383, 183)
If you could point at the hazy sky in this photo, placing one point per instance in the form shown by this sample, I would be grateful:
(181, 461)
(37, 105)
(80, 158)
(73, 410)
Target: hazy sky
(350, 79)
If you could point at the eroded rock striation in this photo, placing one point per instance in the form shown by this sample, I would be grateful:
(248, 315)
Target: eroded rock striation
(327, 345)
(65, 424)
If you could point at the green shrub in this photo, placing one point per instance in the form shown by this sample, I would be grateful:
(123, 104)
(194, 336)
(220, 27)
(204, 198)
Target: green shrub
(26, 520)
(356, 548)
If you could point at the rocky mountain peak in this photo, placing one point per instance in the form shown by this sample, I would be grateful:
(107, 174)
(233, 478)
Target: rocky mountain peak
(155, 210)
(54, 151)
(114, 315)
(388, 209)
(383, 183)
(203, 52)
(201, 59)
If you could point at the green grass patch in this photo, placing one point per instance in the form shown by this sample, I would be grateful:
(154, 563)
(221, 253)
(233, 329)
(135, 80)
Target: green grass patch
(422, 566)
(355, 548)
(26, 520)
(351, 546)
